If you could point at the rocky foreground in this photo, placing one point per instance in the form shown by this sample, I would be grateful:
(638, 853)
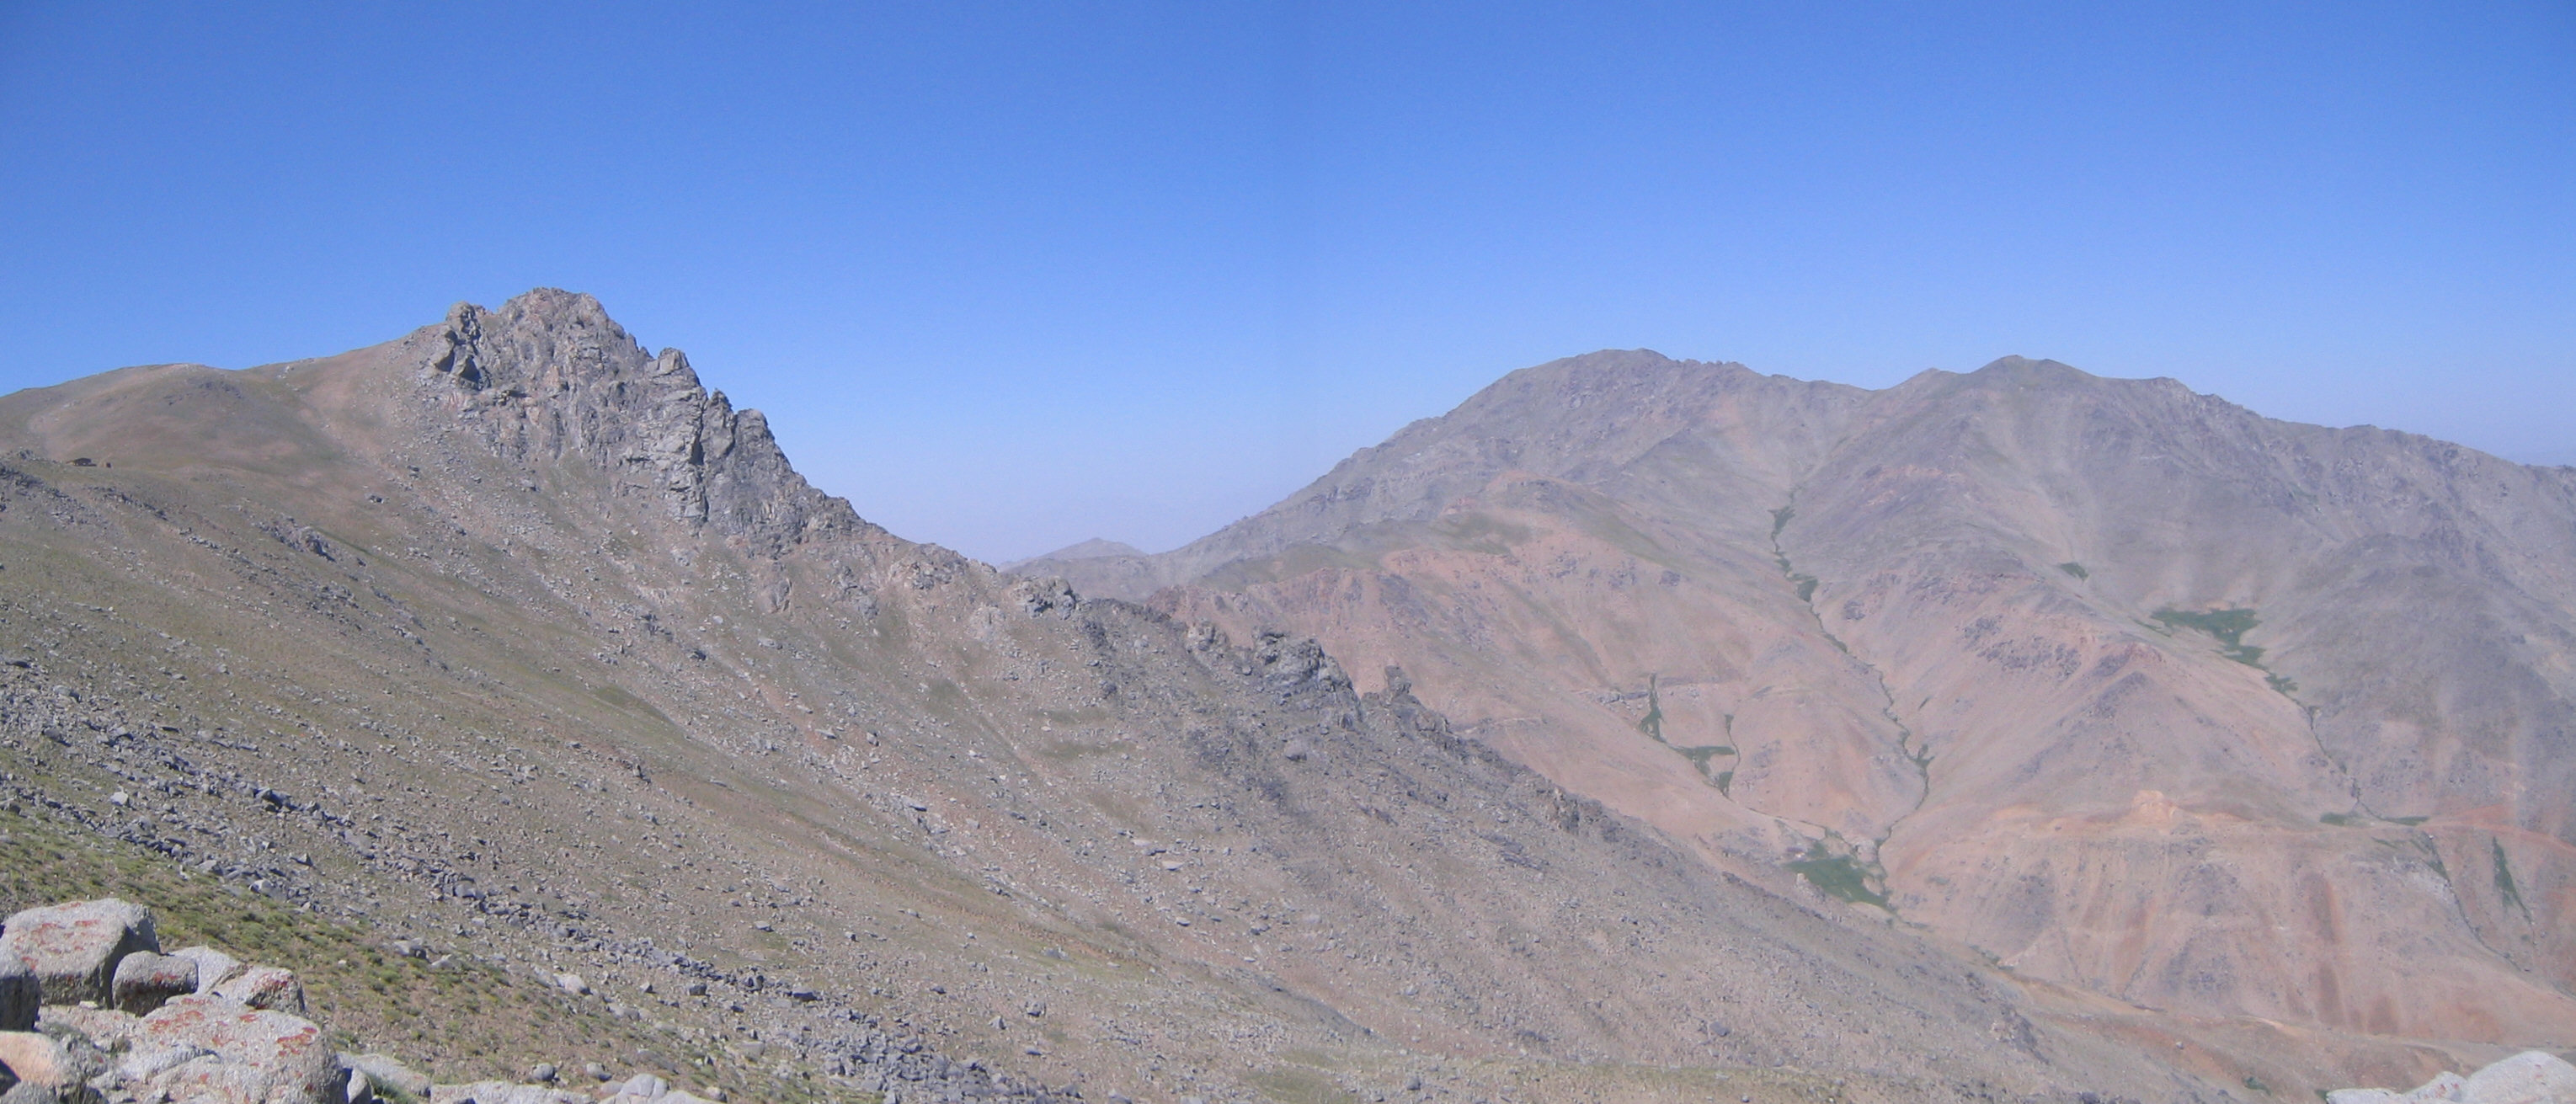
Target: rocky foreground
(93, 1011)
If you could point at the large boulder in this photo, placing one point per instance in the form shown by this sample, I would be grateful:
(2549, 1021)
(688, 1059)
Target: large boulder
(253, 1055)
(386, 1072)
(74, 948)
(270, 987)
(2531, 1077)
(144, 980)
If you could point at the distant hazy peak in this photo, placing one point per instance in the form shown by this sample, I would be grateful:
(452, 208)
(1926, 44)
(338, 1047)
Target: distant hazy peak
(1097, 548)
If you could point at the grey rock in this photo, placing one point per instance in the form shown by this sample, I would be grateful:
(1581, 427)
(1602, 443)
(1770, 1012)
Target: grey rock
(74, 948)
(2531, 1077)
(388, 1072)
(20, 995)
(106, 1027)
(252, 1053)
(29, 1092)
(144, 980)
(500, 1092)
(273, 988)
(213, 967)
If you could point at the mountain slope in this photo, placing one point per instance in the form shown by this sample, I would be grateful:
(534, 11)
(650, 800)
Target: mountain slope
(513, 637)
(2128, 687)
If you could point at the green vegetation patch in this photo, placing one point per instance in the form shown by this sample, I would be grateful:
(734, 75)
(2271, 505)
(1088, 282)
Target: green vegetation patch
(2075, 569)
(2227, 626)
(1699, 756)
(1839, 876)
(1291, 1085)
(2504, 883)
(1653, 724)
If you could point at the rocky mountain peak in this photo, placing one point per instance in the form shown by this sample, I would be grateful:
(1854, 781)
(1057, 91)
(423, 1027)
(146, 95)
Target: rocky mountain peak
(550, 376)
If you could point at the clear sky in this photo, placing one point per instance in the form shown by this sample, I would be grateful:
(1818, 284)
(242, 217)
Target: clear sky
(1011, 276)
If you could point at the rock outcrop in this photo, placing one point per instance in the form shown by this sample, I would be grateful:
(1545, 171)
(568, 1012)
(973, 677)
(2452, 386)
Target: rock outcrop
(2530, 1077)
(74, 949)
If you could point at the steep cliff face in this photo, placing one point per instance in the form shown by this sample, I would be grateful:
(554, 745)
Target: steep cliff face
(2130, 688)
(511, 628)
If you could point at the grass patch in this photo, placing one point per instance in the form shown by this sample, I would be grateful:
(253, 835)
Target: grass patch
(1838, 875)
(2075, 569)
(1780, 520)
(1653, 724)
(2504, 883)
(1290, 1085)
(1699, 756)
(2227, 626)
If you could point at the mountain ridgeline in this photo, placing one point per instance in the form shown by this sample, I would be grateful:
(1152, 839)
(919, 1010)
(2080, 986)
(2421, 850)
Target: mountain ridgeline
(1673, 733)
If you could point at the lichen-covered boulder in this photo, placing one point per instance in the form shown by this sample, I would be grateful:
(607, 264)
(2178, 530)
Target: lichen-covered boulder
(270, 987)
(144, 980)
(253, 1055)
(74, 948)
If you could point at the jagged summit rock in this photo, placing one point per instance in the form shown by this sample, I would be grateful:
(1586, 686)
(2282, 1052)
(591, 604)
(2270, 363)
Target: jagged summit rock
(550, 376)
(1092, 549)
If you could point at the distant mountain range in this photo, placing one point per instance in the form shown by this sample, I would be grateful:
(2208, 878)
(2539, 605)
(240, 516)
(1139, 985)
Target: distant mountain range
(1675, 733)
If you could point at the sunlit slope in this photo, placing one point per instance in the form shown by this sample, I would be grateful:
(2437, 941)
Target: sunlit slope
(2128, 687)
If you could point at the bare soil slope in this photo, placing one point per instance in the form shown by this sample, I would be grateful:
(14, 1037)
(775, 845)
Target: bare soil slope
(2126, 687)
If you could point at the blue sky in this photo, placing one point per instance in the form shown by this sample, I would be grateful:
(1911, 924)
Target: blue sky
(1011, 276)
